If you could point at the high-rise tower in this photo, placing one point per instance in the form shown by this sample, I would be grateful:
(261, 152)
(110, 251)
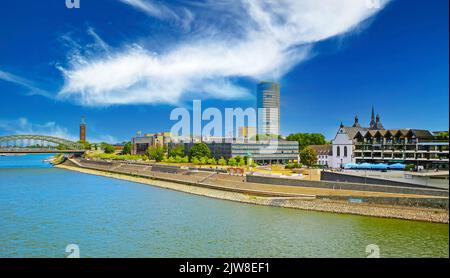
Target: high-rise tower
(268, 104)
(83, 129)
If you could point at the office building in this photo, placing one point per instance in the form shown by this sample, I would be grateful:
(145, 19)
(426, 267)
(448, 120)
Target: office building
(261, 152)
(140, 144)
(247, 132)
(268, 106)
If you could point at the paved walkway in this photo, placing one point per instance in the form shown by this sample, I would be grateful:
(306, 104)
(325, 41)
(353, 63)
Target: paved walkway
(238, 184)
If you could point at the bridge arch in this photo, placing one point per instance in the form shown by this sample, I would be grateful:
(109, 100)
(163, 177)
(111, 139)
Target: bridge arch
(69, 144)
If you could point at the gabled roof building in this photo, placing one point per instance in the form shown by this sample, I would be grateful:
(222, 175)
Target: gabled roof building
(375, 144)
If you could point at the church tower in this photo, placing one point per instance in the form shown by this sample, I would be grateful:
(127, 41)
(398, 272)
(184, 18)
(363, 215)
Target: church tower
(373, 124)
(356, 124)
(379, 125)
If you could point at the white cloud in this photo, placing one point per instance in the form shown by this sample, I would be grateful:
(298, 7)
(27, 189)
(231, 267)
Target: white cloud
(249, 38)
(98, 40)
(12, 78)
(151, 8)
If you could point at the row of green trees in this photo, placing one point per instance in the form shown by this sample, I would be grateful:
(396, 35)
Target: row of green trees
(113, 156)
(107, 148)
(199, 154)
(307, 139)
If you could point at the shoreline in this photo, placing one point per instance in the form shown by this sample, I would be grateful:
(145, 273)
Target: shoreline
(303, 203)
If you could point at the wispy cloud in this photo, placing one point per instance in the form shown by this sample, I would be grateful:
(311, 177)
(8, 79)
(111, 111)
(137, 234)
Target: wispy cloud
(256, 39)
(23, 82)
(98, 40)
(152, 8)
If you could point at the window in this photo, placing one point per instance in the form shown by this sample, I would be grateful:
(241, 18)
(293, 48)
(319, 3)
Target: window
(338, 152)
(345, 151)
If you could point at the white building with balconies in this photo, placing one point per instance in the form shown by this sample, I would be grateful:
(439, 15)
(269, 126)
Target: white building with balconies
(356, 144)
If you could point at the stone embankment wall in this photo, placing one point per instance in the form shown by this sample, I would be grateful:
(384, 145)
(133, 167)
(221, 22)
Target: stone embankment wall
(331, 204)
(341, 177)
(169, 173)
(347, 186)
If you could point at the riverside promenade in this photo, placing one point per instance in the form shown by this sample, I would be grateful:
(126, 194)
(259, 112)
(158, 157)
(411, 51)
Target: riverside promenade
(423, 205)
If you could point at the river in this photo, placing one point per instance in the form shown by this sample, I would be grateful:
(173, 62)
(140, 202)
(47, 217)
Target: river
(44, 209)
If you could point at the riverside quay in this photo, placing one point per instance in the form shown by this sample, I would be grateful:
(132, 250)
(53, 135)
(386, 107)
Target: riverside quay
(261, 152)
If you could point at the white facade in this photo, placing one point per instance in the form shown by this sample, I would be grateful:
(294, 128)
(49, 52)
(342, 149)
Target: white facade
(323, 154)
(342, 152)
(324, 160)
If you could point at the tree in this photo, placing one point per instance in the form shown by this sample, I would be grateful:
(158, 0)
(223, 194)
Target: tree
(222, 162)
(178, 150)
(307, 139)
(195, 161)
(185, 159)
(238, 159)
(232, 162)
(126, 148)
(203, 160)
(443, 135)
(200, 150)
(86, 144)
(62, 147)
(107, 148)
(308, 156)
(156, 153)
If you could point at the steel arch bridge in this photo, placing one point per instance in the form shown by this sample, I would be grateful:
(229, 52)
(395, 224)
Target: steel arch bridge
(70, 145)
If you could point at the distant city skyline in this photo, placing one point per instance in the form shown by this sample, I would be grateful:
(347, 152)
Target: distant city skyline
(125, 68)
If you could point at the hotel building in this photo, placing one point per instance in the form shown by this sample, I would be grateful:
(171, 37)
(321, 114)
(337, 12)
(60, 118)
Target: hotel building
(375, 144)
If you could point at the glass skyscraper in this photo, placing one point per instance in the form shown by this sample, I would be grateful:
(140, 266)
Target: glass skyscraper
(268, 104)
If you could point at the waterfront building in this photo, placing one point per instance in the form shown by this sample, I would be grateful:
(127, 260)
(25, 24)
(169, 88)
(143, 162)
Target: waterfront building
(83, 130)
(260, 152)
(118, 149)
(268, 107)
(140, 144)
(324, 154)
(374, 144)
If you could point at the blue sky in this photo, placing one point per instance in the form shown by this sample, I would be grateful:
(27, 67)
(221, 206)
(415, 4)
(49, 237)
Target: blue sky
(126, 64)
